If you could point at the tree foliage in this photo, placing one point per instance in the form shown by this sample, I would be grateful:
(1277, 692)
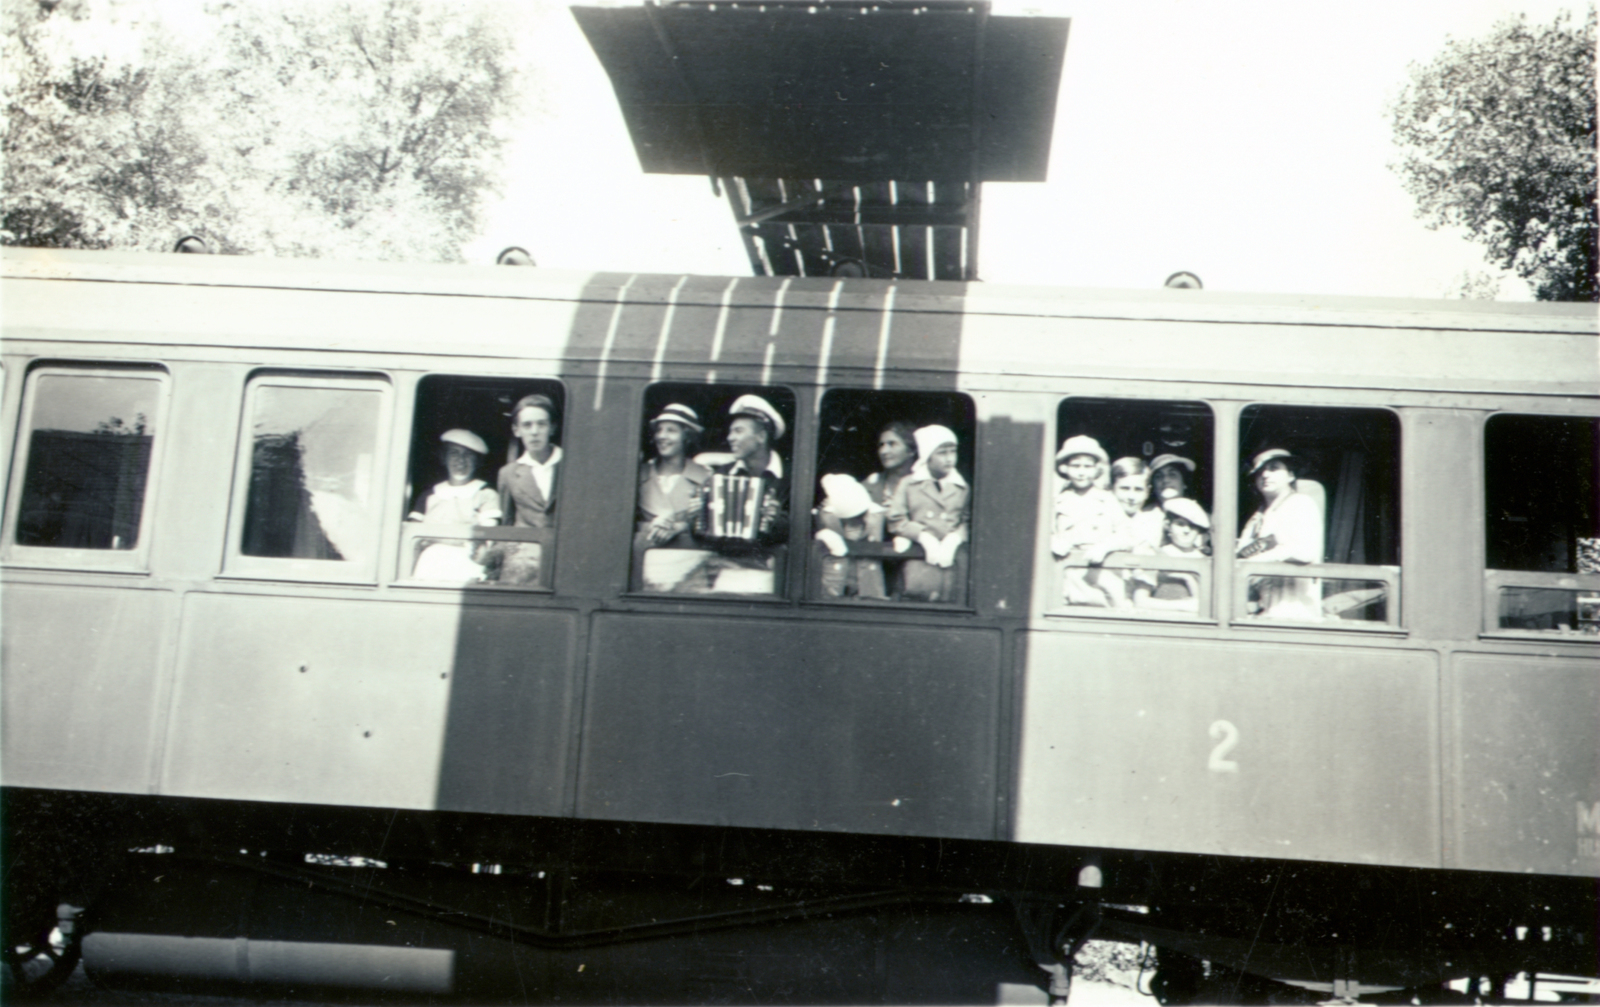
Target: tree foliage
(1499, 138)
(367, 129)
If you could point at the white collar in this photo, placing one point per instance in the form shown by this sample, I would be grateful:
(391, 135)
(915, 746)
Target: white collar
(527, 459)
(774, 465)
(923, 475)
(466, 489)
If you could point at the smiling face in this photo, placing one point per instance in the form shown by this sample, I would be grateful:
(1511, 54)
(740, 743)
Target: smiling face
(1182, 534)
(943, 461)
(461, 463)
(532, 428)
(1080, 471)
(1273, 479)
(893, 451)
(1131, 492)
(1170, 481)
(668, 439)
(746, 437)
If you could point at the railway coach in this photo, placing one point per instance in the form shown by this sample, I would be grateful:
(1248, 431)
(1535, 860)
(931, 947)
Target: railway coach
(269, 719)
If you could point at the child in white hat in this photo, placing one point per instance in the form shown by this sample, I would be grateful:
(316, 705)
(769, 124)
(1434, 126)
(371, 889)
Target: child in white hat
(1087, 516)
(1175, 590)
(933, 508)
(850, 507)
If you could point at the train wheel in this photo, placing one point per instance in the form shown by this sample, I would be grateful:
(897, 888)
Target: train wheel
(37, 965)
(1177, 978)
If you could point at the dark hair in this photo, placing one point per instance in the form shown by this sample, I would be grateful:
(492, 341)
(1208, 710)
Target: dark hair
(902, 430)
(537, 401)
(505, 258)
(691, 436)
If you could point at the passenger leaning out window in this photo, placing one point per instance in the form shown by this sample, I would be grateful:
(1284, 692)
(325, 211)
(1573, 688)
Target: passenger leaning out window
(748, 509)
(1286, 528)
(1184, 536)
(672, 487)
(1088, 520)
(933, 508)
(849, 514)
(462, 498)
(529, 485)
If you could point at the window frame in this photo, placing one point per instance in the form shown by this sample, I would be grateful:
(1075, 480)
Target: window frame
(410, 531)
(1495, 579)
(783, 581)
(811, 585)
(1055, 606)
(135, 560)
(1391, 575)
(236, 565)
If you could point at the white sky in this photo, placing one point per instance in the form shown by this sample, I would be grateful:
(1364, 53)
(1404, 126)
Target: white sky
(1246, 141)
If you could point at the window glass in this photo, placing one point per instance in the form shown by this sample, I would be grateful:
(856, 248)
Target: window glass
(712, 513)
(894, 497)
(1543, 522)
(90, 438)
(312, 486)
(1131, 516)
(1320, 487)
(485, 482)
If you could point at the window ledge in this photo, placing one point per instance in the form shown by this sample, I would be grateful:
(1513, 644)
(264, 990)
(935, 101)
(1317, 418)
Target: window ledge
(1129, 616)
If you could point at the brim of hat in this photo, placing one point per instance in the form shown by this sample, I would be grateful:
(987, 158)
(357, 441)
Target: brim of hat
(680, 421)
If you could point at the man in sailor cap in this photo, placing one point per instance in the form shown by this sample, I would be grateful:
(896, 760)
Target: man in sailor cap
(755, 426)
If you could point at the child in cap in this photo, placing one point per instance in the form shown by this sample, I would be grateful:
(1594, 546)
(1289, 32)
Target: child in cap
(1087, 517)
(1175, 590)
(933, 507)
(849, 508)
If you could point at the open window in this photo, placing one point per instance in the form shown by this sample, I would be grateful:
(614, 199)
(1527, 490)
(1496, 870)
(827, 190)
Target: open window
(712, 514)
(86, 449)
(1543, 525)
(894, 498)
(1131, 512)
(484, 488)
(308, 478)
(1319, 536)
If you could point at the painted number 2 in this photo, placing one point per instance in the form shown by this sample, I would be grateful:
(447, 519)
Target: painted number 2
(1226, 736)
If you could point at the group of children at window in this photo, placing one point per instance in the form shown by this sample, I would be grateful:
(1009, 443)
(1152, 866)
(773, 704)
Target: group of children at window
(1126, 506)
(1144, 509)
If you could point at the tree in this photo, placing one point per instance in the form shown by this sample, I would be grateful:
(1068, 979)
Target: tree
(367, 129)
(1499, 138)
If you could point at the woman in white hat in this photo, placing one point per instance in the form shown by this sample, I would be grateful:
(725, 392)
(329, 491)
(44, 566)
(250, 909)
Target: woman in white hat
(933, 508)
(462, 498)
(1286, 528)
(671, 486)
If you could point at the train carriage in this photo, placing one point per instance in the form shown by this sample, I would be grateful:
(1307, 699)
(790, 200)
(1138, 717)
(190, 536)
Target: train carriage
(228, 658)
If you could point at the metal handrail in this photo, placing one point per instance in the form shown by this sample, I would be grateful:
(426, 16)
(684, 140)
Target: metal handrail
(1389, 576)
(411, 531)
(1078, 558)
(1496, 581)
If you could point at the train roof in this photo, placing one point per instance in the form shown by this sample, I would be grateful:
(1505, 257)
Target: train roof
(1547, 348)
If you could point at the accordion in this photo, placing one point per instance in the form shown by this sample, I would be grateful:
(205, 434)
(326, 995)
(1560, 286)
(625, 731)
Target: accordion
(733, 507)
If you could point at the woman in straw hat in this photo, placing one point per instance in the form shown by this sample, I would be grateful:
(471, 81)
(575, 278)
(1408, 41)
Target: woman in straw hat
(1286, 528)
(671, 486)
